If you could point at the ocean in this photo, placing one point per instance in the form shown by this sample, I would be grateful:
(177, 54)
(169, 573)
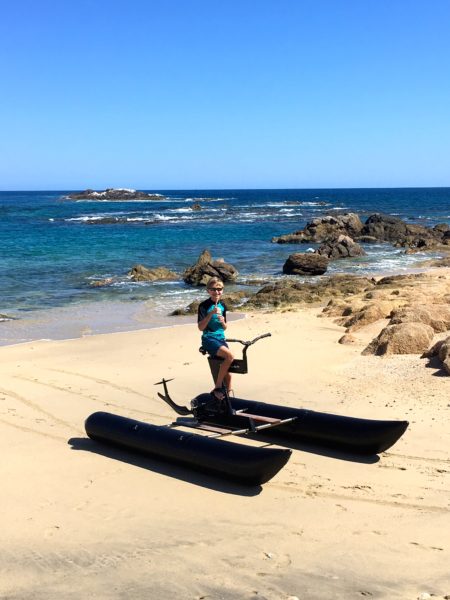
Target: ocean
(53, 250)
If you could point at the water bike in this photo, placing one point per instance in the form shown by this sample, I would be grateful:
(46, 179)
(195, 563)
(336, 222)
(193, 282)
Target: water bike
(239, 417)
(360, 436)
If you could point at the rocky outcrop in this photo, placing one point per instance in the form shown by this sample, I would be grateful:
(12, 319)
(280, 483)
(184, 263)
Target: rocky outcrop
(289, 292)
(404, 338)
(323, 228)
(370, 313)
(206, 267)
(305, 264)
(141, 273)
(114, 194)
(378, 227)
(399, 233)
(341, 246)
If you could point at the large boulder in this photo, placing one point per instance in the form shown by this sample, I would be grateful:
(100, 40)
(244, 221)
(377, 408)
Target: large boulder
(206, 267)
(323, 228)
(341, 246)
(141, 273)
(392, 229)
(305, 264)
(404, 338)
(436, 316)
(368, 314)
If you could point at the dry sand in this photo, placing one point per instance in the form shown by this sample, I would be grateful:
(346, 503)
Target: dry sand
(82, 521)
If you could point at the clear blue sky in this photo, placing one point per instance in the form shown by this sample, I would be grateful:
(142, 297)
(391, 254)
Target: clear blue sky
(167, 94)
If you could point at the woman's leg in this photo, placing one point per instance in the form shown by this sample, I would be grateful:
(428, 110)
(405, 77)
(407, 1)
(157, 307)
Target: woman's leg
(223, 375)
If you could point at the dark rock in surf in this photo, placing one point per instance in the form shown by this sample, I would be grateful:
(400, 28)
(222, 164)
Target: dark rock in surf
(141, 273)
(114, 194)
(378, 227)
(341, 246)
(7, 318)
(305, 264)
(323, 228)
(392, 229)
(233, 301)
(206, 267)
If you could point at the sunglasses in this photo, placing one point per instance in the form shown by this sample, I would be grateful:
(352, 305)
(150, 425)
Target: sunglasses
(215, 289)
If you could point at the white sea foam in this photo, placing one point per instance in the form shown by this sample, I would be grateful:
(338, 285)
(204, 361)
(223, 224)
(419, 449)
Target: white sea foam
(86, 218)
(208, 199)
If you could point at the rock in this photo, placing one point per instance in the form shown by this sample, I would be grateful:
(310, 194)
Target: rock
(403, 280)
(442, 228)
(206, 267)
(378, 227)
(233, 302)
(341, 246)
(141, 273)
(394, 230)
(7, 318)
(367, 239)
(404, 338)
(289, 292)
(347, 339)
(191, 309)
(305, 264)
(102, 282)
(322, 228)
(439, 262)
(442, 350)
(436, 316)
(370, 313)
(114, 194)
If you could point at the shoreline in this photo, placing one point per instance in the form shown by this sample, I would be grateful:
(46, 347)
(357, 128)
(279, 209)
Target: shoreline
(77, 320)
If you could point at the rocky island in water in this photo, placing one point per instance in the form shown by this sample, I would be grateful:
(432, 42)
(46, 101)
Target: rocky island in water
(111, 194)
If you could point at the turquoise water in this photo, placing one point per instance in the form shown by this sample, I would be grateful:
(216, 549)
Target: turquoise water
(53, 249)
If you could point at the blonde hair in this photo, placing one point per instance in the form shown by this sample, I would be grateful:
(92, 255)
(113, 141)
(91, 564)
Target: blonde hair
(214, 281)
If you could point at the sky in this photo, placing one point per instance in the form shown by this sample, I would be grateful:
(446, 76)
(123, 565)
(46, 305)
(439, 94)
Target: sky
(196, 94)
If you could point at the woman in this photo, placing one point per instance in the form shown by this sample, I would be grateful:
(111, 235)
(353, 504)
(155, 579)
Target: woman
(212, 321)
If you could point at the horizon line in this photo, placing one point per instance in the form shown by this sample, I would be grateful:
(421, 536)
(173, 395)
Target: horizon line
(237, 189)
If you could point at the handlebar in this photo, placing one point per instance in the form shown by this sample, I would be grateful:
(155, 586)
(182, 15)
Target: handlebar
(249, 343)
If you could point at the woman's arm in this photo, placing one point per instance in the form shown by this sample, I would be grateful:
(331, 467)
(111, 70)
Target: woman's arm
(203, 323)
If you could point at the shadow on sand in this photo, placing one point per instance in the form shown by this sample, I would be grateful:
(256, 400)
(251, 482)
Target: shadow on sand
(434, 362)
(168, 469)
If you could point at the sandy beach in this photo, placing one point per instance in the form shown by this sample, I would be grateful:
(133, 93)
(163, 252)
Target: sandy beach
(80, 520)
